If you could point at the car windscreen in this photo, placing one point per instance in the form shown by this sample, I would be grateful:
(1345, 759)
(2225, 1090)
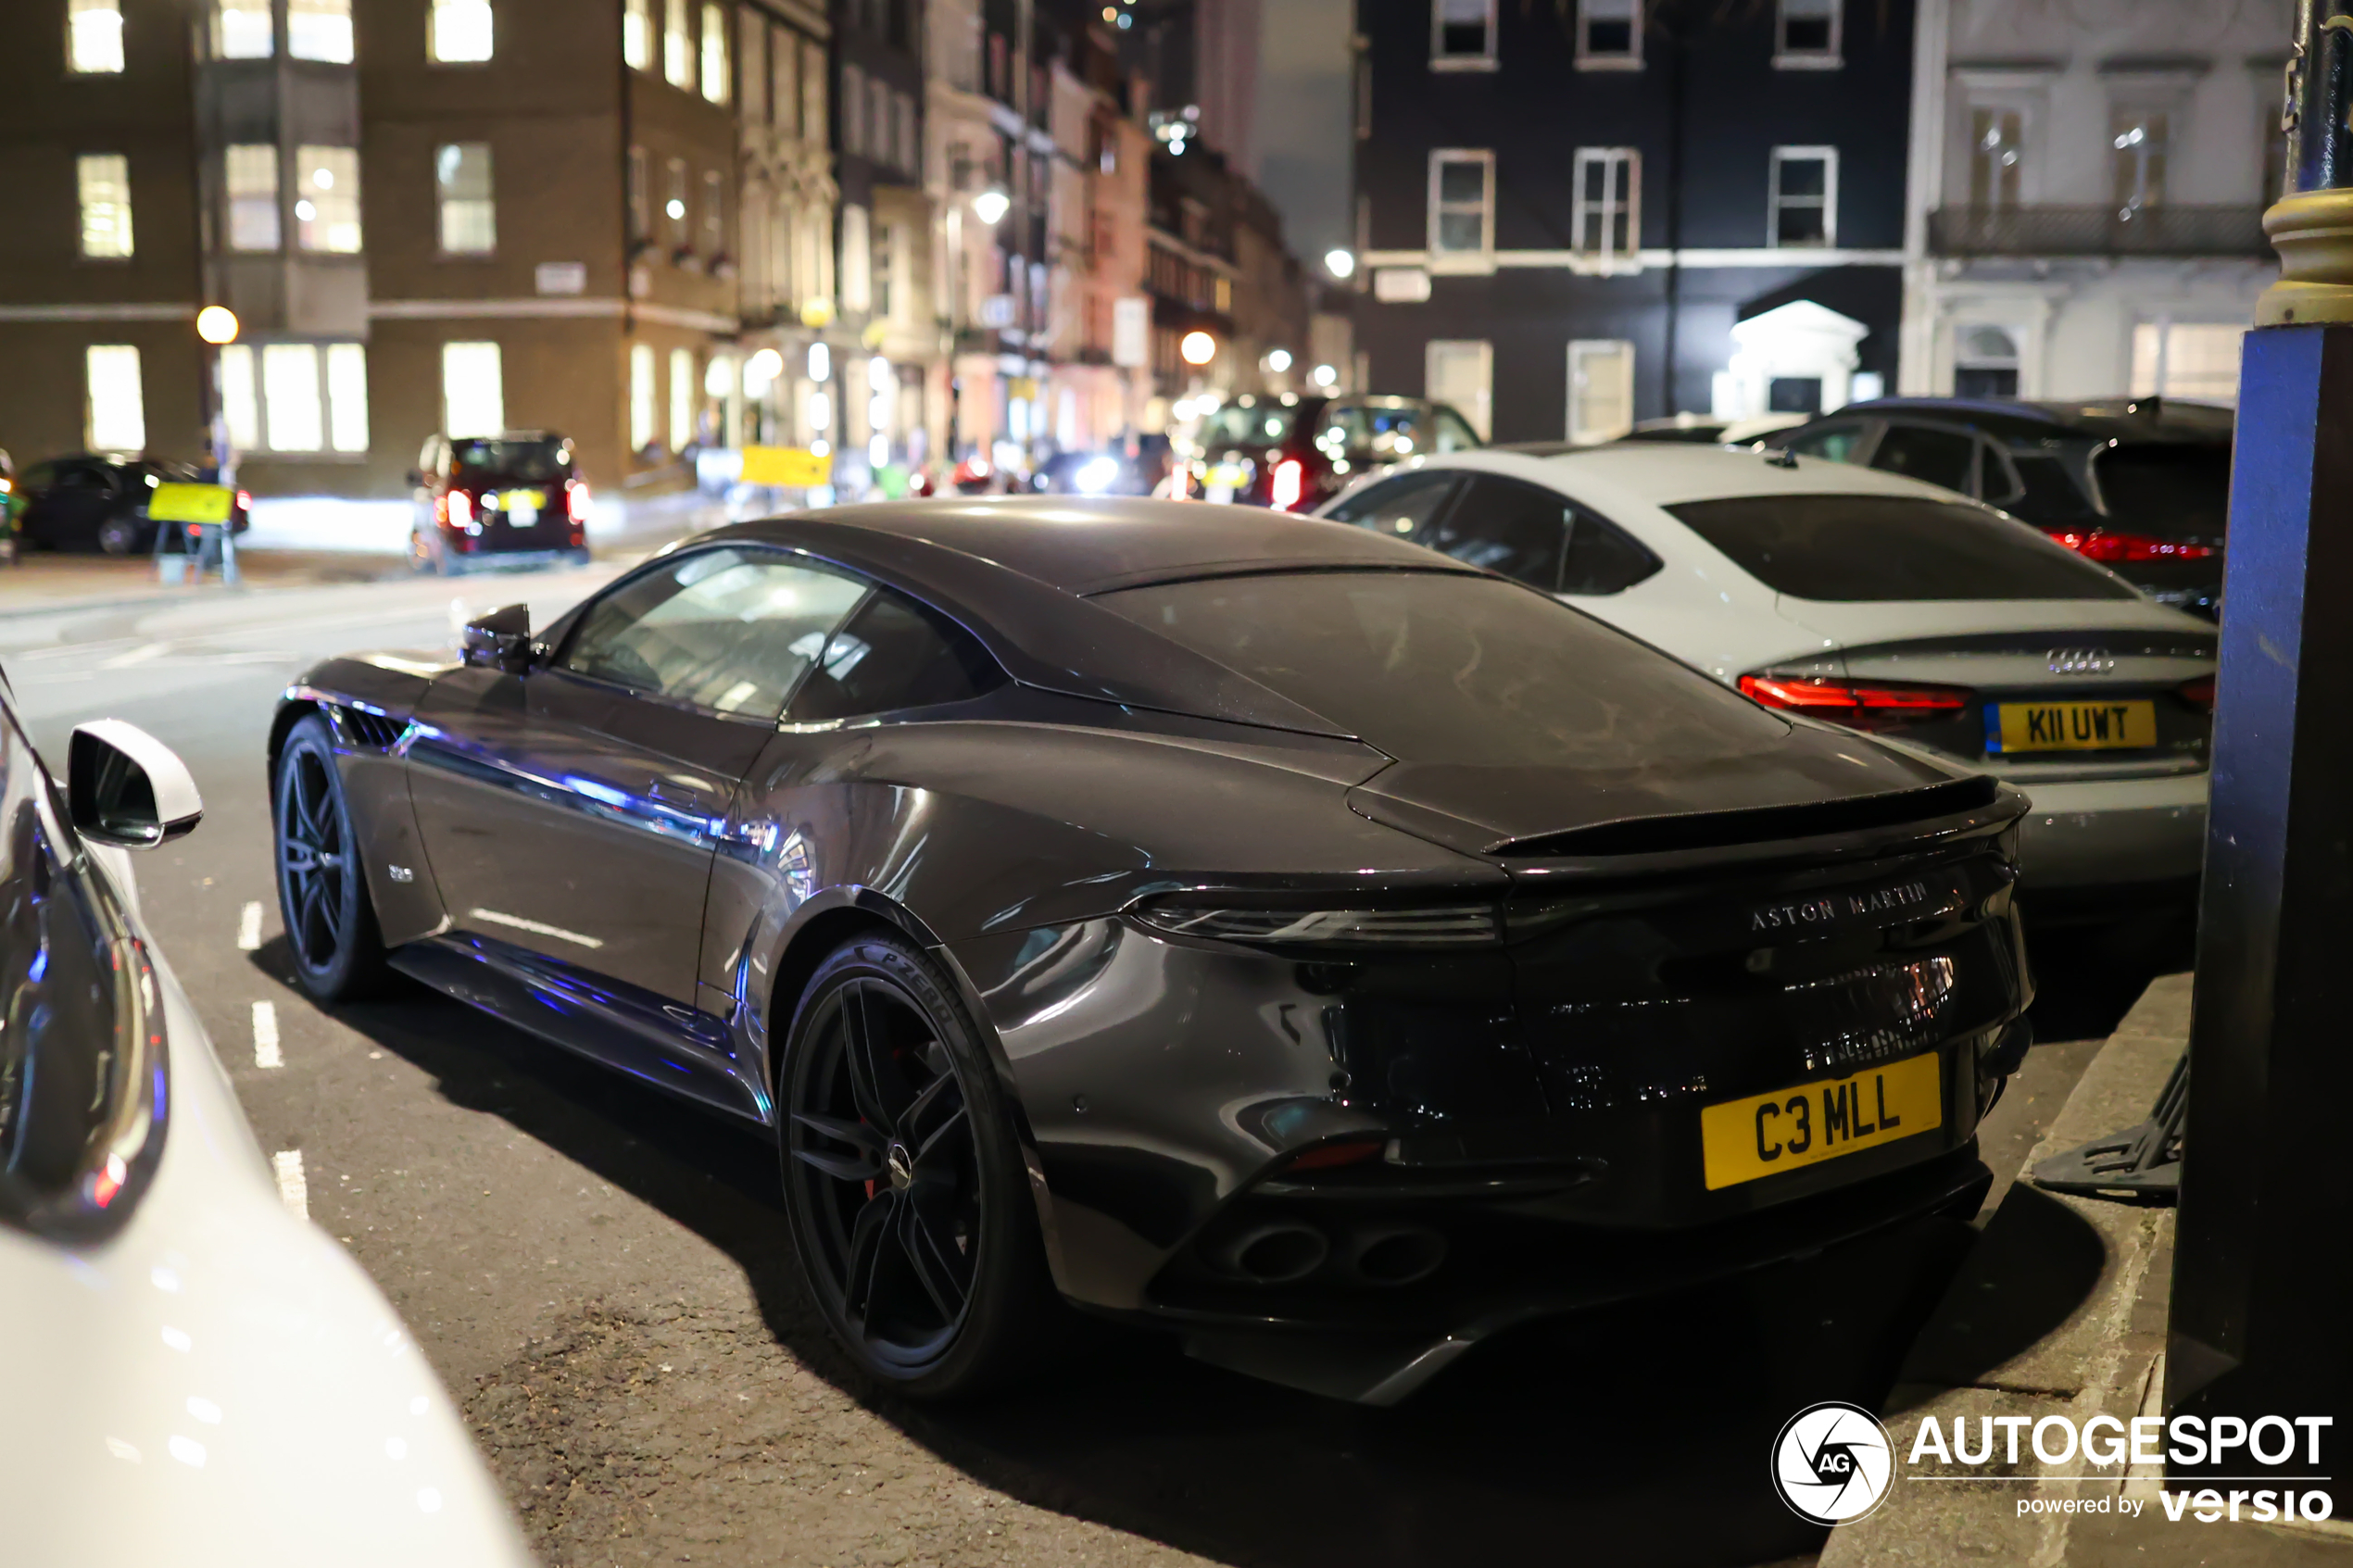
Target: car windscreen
(1259, 424)
(1892, 547)
(2171, 492)
(511, 460)
(1465, 668)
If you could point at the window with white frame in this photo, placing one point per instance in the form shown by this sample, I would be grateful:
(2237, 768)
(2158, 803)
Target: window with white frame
(716, 81)
(2138, 138)
(242, 30)
(114, 410)
(678, 45)
(1807, 34)
(1601, 389)
(94, 37)
(473, 395)
(637, 34)
(857, 260)
(1605, 212)
(641, 396)
(1609, 34)
(240, 397)
(249, 183)
(320, 30)
(1802, 197)
(682, 398)
(1462, 203)
(102, 183)
(469, 214)
(462, 31)
(1462, 35)
(2193, 360)
(1996, 154)
(327, 199)
(294, 416)
(347, 397)
(1461, 374)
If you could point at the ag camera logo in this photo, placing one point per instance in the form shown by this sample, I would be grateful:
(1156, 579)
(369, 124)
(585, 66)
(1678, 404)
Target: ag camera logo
(1833, 1462)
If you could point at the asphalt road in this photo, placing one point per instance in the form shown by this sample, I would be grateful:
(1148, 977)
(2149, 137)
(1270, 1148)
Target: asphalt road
(605, 1282)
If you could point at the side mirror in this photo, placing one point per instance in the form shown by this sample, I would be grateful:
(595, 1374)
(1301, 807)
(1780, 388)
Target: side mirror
(126, 788)
(500, 639)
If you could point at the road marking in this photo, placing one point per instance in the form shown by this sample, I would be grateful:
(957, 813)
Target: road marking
(265, 1036)
(294, 1190)
(249, 927)
(558, 932)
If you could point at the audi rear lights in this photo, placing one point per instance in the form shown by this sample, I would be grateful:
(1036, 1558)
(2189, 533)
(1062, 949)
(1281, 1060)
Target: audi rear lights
(2108, 548)
(1858, 705)
(2199, 693)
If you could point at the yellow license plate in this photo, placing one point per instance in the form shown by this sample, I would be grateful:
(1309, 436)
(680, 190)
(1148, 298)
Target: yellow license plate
(1743, 1140)
(516, 501)
(2072, 726)
(1225, 476)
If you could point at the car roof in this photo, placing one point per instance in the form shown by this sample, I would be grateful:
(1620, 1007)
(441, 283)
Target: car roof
(1666, 473)
(2126, 421)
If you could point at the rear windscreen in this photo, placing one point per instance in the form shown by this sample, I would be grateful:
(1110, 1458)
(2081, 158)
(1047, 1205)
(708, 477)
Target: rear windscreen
(2168, 492)
(1466, 669)
(1259, 425)
(511, 460)
(1893, 548)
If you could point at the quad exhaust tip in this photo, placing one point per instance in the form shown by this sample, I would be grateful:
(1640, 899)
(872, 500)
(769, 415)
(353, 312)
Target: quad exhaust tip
(1285, 1252)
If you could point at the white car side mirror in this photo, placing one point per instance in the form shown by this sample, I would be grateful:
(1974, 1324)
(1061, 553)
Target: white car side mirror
(126, 788)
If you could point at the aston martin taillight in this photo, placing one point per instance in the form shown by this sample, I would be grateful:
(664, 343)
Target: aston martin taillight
(1859, 704)
(1427, 925)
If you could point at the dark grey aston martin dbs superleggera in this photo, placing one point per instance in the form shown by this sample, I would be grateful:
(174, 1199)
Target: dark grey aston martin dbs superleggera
(1240, 923)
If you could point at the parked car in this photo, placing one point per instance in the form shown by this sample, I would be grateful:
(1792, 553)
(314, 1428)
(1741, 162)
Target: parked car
(1877, 603)
(99, 501)
(1091, 473)
(1354, 954)
(2141, 486)
(201, 1377)
(1291, 453)
(516, 499)
(1699, 429)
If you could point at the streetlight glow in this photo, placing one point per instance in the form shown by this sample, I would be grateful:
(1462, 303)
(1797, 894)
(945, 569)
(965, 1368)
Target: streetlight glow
(990, 206)
(1199, 348)
(1279, 360)
(1340, 263)
(216, 324)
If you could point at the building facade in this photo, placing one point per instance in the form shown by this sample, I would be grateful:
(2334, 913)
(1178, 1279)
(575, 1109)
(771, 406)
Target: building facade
(1573, 217)
(2088, 186)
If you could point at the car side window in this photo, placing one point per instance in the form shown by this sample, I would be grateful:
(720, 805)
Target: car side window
(1997, 482)
(1603, 558)
(1505, 525)
(82, 476)
(1452, 432)
(893, 654)
(1403, 505)
(1939, 457)
(40, 476)
(2048, 492)
(1835, 442)
(729, 630)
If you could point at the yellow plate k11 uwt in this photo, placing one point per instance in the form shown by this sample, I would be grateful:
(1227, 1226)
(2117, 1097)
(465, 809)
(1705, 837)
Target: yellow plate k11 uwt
(1743, 1140)
(2070, 726)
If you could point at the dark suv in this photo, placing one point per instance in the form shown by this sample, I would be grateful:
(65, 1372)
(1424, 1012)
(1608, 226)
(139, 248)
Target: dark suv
(2140, 486)
(1295, 453)
(516, 498)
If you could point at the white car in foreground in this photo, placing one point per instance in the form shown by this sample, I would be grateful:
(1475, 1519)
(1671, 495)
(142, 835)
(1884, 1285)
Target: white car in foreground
(197, 1376)
(1876, 602)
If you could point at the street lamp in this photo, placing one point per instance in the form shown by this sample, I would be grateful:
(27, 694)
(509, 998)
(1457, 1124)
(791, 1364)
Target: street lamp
(1340, 263)
(216, 324)
(990, 206)
(1198, 348)
(1279, 362)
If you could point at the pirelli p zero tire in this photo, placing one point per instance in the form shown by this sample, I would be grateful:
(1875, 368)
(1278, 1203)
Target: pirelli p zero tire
(910, 1206)
(322, 886)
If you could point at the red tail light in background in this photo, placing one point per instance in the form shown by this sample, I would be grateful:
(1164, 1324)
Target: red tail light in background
(2108, 548)
(2199, 693)
(576, 501)
(1290, 483)
(244, 500)
(1857, 704)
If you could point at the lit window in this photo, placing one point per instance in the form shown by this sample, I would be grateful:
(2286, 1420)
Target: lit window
(458, 30)
(1606, 216)
(1802, 204)
(857, 260)
(641, 396)
(2189, 360)
(327, 199)
(1462, 35)
(1462, 204)
(637, 34)
(673, 199)
(250, 177)
(347, 398)
(2139, 139)
(240, 399)
(749, 48)
(677, 46)
(468, 218)
(319, 30)
(714, 213)
(682, 398)
(94, 36)
(640, 218)
(1601, 389)
(1807, 33)
(292, 419)
(104, 182)
(1461, 374)
(1997, 155)
(1609, 33)
(115, 415)
(714, 54)
(241, 30)
(474, 400)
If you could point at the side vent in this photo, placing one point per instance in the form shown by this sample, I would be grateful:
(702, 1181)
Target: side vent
(368, 732)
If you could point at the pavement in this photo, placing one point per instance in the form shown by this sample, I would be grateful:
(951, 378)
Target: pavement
(606, 1283)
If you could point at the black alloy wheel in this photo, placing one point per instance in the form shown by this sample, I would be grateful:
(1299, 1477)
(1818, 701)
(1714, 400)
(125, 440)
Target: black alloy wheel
(118, 535)
(916, 1232)
(323, 888)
